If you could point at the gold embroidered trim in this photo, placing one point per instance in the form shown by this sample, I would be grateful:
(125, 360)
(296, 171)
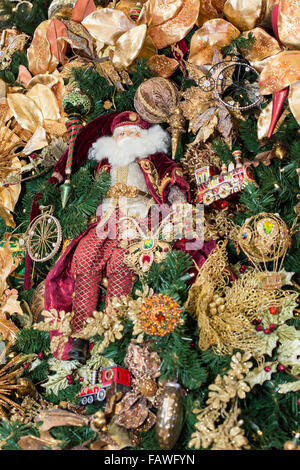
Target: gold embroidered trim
(121, 189)
(152, 173)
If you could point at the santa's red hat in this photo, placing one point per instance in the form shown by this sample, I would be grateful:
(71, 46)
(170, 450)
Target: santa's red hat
(128, 118)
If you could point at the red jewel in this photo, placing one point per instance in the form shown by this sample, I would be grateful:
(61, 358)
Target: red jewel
(160, 317)
(267, 369)
(273, 310)
(258, 328)
(224, 204)
(26, 366)
(69, 377)
(267, 331)
(40, 355)
(146, 259)
(272, 326)
(80, 379)
(281, 368)
(298, 401)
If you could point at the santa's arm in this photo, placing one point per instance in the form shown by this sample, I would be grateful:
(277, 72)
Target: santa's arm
(170, 181)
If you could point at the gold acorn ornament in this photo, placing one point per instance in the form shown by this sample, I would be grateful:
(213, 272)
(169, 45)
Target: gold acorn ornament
(157, 101)
(170, 416)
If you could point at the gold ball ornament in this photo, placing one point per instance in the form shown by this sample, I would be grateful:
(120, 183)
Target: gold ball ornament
(169, 416)
(157, 100)
(25, 388)
(280, 151)
(12, 354)
(220, 301)
(147, 386)
(105, 282)
(289, 445)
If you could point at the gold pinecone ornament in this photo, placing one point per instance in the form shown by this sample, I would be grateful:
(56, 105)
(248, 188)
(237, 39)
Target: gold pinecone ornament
(170, 416)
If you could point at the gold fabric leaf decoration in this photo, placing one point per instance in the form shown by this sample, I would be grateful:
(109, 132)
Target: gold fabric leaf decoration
(107, 25)
(128, 46)
(9, 196)
(27, 114)
(214, 34)
(173, 22)
(45, 100)
(40, 59)
(280, 71)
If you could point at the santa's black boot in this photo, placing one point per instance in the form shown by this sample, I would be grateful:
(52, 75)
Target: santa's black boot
(79, 350)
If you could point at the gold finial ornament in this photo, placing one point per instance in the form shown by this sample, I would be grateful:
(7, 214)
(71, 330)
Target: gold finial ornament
(157, 100)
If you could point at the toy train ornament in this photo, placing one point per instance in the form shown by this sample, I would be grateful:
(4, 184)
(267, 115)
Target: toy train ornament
(212, 187)
(102, 379)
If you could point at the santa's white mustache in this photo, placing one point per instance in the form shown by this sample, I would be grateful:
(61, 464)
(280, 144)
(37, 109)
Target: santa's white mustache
(127, 140)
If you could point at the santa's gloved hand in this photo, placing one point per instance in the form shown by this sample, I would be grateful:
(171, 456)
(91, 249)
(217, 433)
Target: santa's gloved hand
(176, 196)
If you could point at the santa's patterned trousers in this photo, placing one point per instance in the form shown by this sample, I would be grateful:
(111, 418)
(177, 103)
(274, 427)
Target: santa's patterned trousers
(93, 256)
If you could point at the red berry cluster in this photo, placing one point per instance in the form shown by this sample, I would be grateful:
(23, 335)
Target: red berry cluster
(69, 379)
(280, 368)
(274, 311)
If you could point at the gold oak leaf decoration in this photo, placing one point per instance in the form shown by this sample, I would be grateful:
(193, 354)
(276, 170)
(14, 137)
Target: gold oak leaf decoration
(218, 426)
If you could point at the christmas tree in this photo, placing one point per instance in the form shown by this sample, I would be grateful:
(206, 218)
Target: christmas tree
(177, 345)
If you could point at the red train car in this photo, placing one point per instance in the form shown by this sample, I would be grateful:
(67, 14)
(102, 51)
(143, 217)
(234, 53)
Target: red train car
(214, 187)
(114, 376)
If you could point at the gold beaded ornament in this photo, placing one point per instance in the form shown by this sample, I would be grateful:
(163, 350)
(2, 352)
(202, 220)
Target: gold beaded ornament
(159, 315)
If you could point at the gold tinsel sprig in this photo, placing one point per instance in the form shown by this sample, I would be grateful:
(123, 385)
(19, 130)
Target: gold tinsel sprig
(9, 374)
(217, 426)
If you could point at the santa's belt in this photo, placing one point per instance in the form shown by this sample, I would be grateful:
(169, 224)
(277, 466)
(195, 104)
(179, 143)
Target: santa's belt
(121, 189)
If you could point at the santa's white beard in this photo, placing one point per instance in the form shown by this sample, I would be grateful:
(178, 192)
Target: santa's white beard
(128, 149)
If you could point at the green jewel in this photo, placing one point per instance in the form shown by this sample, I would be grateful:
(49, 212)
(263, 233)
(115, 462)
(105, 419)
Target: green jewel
(148, 244)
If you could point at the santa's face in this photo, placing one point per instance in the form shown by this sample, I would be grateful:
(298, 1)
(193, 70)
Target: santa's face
(129, 143)
(125, 133)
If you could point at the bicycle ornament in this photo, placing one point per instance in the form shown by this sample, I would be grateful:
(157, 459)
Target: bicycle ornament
(43, 236)
(234, 82)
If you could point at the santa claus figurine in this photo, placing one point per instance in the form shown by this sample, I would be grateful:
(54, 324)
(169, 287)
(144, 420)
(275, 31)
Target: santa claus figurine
(134, 153)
